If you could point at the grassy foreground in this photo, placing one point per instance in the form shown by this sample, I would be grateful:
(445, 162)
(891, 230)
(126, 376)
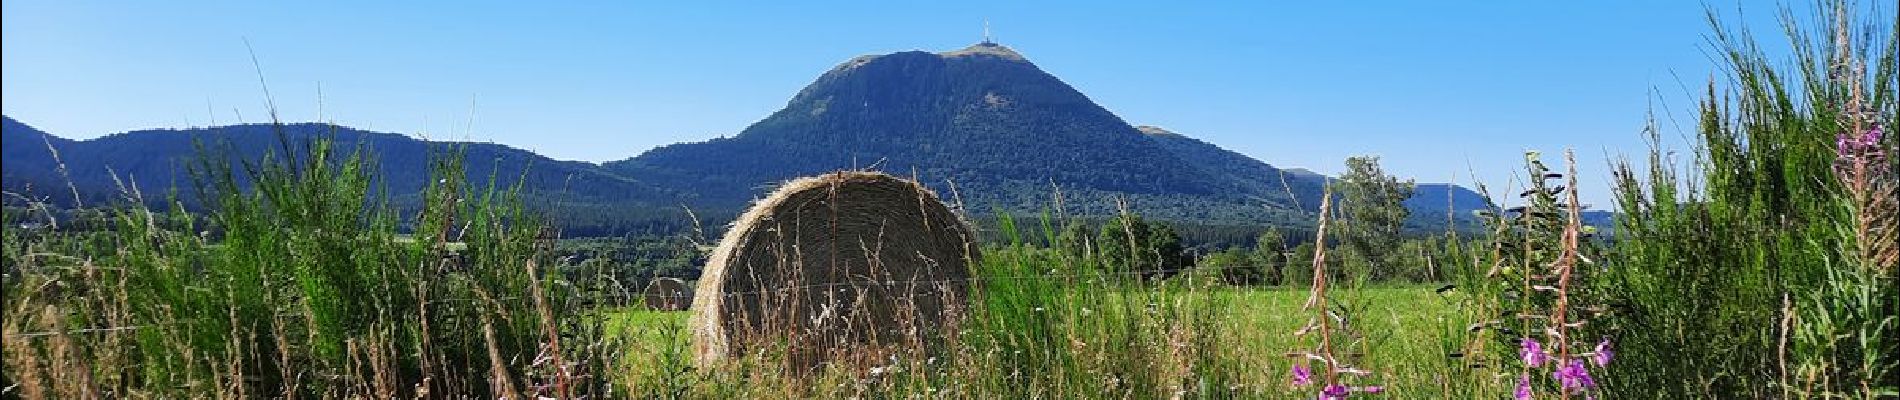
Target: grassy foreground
(1767, 269)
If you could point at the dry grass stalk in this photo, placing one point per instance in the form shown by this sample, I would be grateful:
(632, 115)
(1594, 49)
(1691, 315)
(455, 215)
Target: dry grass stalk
(548, 324)
(501, 381)
(1317, 301)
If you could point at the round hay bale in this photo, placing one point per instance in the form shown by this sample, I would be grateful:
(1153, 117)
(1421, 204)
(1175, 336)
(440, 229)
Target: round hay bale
(668, 294)
(834, 268)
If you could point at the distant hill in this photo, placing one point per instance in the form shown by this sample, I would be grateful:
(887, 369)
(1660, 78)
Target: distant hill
(27, 163)
(1244, 174)
(982, 125)
(1429, 202)
(158, 161)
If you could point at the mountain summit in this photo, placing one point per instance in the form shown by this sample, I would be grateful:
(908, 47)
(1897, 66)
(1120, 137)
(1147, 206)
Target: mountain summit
(986, 49)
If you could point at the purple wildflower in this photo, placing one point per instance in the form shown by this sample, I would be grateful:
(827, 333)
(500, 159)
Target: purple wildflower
(1844, 144)
(1574, 377)
(1301, 375)
(1863, 147)
(1603, 353)
(1533, 353)
(1523, 391)
(1334, 392)
(1871, 143)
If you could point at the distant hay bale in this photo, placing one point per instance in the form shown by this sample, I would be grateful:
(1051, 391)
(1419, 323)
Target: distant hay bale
(668, 294)
(838, 267)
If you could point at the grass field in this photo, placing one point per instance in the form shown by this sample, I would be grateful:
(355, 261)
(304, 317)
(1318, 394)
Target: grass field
(1402, 324)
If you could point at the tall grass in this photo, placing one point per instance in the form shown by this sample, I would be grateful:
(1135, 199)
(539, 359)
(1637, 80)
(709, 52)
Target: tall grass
(1068, 325)
(1741, 276)
(294, 284)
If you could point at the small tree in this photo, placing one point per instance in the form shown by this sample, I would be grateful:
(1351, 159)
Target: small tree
(1268, 258)
(1374, 207)
(1299, 267)
(1151, 250)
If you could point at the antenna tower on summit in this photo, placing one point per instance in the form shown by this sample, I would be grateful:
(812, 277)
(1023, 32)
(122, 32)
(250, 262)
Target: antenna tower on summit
(986, 32)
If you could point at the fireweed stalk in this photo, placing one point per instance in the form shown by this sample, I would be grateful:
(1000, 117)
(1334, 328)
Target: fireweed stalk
(1843, 337)
(1325, 322)
(1570, 369)
(1861, 165)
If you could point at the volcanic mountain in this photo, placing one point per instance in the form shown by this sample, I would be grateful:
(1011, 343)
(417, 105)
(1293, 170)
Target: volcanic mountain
(989, 122)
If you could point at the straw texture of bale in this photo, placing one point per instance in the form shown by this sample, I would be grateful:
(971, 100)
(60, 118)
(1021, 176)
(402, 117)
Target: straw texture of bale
(834, 268)
(668, 294)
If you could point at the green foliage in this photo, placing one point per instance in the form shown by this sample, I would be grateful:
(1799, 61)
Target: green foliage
(1536, 288)
(1299, 265)
(1740, 279)
(1234, 266)
(624, 265)
(1270, 254)
(1129, 244)
(1263, 264)
(1373, 204)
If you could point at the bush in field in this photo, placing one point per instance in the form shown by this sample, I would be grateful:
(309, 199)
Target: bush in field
(296, 284)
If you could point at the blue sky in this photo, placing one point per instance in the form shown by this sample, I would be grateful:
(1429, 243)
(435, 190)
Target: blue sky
(1435, 88)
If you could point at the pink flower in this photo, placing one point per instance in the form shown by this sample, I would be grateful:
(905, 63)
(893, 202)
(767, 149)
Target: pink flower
(1603, 353)
(1864, 146)
(1533, 353)
(1301, 375)
(1523, 391)
(1334, 392)
(1573, 377)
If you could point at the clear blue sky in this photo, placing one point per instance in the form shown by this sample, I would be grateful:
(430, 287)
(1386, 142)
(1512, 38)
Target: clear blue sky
(1434, 88)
